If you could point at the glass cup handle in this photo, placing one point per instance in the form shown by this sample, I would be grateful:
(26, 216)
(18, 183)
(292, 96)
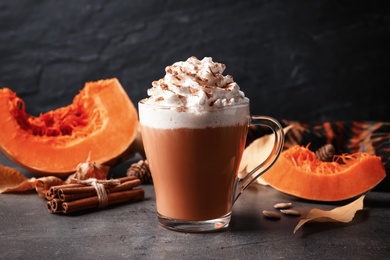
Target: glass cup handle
(277, 129)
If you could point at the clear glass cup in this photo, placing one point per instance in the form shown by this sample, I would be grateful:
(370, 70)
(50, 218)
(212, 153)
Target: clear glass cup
(194, 161)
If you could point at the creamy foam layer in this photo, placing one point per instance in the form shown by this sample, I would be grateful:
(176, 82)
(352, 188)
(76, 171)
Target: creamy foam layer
(170, 118)
(195, 86)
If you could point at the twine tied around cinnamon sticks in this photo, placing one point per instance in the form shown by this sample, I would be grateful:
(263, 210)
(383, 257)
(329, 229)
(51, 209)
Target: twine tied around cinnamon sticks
(93, 193)
(100, 188)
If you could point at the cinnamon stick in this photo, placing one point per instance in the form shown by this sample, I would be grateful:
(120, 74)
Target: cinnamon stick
(52, 192)
(125, 185)
(69, 194)
(75, 196)
(93, 202)
(69, 198)
(54, 206)
(121, 180)
(83, 191)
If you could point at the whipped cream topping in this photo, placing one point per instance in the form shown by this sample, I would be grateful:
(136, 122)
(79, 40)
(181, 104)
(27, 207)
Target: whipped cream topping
(195, 86)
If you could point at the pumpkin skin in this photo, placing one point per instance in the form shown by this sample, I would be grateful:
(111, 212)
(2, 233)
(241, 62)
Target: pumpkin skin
(101, 124)
(299, 173)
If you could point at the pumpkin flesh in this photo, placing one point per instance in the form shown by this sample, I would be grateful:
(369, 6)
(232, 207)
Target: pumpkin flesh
(101, 122)
(299, 173)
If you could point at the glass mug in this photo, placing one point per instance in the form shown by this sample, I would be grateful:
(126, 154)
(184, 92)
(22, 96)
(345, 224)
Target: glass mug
(194, 161)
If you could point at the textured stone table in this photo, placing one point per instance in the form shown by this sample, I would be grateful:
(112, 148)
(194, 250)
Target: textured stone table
(131, 231)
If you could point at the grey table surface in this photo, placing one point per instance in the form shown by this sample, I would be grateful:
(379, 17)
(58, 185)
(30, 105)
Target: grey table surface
(131, 231)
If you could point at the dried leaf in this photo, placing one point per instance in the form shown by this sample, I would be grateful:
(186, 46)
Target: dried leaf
(42, 185)
(11, 180)
(340, 214)
(257, 152)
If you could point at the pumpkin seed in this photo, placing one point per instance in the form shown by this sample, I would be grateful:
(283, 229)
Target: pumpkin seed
(283, 205)
(271, 214)
(290, 212)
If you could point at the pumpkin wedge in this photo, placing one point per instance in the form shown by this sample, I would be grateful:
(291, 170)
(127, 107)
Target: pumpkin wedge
(299, 173)
(101, 124)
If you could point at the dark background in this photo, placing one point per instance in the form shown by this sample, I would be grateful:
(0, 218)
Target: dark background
(295, 60)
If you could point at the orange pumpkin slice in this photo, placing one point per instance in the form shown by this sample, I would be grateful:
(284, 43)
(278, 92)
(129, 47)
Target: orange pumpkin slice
(102, 123)
(299, 173)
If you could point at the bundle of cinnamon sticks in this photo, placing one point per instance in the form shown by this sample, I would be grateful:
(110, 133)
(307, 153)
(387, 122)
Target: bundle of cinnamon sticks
(80, 196)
